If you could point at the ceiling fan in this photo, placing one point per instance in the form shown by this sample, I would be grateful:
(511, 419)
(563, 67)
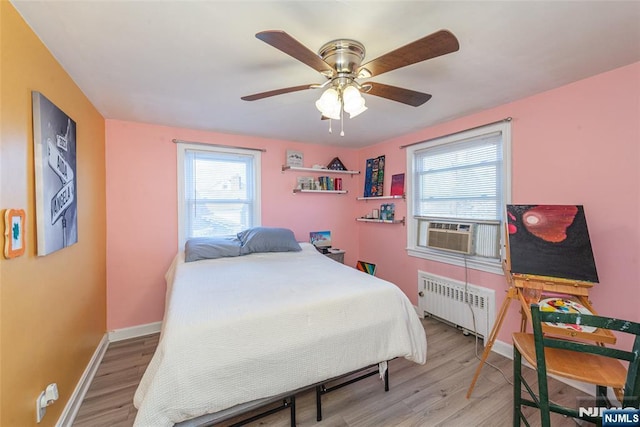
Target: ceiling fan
(340, 62)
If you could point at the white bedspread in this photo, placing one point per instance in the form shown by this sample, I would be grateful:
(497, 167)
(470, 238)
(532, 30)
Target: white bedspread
(249, 327)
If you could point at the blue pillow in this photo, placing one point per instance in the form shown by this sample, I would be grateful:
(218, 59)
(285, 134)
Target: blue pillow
(199, 248)
(268, 239)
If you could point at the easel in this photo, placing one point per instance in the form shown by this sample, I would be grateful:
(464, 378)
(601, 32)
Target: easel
(575, 288)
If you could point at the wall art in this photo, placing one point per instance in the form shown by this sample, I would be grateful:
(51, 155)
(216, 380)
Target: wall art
(550, 240)
(14, 238)
(54, 140)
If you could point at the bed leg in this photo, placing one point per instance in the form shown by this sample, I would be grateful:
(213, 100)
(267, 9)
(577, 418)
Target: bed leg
(319, 390)
(287, 402)
(386, 379)
(293, 410)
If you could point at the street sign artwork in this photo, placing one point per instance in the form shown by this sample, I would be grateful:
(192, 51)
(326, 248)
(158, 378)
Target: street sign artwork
(54, 139)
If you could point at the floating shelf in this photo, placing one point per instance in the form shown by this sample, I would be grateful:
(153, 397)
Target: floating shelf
(297, 190)
(381, 197)
(383, 221)
(317, 170)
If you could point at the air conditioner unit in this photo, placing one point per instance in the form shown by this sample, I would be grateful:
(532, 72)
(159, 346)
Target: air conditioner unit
(450, 236)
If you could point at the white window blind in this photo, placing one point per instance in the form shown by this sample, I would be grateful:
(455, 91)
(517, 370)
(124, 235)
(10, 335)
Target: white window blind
(460, 183)
(460, 180)
(220, 194)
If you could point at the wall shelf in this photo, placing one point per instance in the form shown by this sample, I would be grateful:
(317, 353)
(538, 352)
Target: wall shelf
(317, 170)
(297, 190)
(381, 197)
(382, 221)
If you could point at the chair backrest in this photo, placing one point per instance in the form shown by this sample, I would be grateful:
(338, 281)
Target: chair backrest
(632, 385)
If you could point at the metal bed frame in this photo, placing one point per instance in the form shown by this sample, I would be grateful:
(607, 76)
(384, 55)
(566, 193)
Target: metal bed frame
(288, 401)
(322, 389)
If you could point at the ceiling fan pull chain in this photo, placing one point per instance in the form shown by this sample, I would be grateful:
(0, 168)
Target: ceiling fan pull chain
(341, 116)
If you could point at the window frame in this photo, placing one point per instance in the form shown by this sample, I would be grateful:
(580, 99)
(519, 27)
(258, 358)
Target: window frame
(182, 148)
(490, 265)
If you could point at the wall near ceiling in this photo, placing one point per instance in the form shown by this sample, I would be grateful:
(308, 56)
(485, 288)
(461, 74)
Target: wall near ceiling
(52, 308)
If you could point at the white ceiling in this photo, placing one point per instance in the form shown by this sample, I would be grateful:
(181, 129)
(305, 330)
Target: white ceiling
(187, 63)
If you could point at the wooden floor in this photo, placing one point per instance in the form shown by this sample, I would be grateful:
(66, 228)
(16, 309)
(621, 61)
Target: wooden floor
(432, 394)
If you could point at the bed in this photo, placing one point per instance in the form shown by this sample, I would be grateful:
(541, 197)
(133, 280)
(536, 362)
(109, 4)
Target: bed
(245, 328)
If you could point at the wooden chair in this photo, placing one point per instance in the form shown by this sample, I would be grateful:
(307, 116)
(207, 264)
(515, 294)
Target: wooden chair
(587, 362)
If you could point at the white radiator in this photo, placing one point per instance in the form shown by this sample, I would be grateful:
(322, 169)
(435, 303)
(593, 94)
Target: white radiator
(448, 300)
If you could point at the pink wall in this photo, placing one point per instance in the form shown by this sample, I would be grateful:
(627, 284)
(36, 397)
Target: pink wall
(142, 234)
(578, 144)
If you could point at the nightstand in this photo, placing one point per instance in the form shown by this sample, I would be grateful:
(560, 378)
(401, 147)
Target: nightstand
(336, 255)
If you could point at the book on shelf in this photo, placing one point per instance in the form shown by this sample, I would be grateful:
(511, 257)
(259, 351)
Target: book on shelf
(387, 211)
(327, 183)
(397, 184)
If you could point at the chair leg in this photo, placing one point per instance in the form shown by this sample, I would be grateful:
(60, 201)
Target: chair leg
(543, 397)
(602, 400)
(517, 387)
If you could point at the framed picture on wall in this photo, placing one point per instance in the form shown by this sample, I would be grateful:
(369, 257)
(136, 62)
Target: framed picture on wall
(54, 141)
(295, 158)
(14, 240)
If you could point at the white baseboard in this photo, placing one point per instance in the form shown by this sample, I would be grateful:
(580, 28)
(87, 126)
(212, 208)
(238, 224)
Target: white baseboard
(503, 349)
(134, 331)
(72, 407)
(70, 411)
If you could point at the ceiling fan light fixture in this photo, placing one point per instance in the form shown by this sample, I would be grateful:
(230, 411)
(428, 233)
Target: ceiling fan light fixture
(329, 104)
(353, 101)
(358, 111)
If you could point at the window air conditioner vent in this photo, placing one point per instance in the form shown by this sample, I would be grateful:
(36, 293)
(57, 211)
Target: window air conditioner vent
(449, 236)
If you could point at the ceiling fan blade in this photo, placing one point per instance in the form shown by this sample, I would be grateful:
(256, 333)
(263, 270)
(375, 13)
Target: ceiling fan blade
(287, 44)
(431, 46)
(405, 96)
(257, 96)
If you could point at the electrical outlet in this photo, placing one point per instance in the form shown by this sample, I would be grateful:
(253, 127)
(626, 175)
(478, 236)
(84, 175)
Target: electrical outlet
(40, 408)
(46, 398)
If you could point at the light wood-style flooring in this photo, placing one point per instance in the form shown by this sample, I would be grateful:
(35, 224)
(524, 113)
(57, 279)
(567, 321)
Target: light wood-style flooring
(433, 394)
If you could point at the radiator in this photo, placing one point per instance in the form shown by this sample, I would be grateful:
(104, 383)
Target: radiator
(447, 299)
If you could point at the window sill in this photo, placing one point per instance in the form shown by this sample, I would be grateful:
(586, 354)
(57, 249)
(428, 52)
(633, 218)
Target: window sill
(475, 263)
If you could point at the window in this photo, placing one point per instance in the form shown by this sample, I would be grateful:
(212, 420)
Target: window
(218, 191)
(458, 186)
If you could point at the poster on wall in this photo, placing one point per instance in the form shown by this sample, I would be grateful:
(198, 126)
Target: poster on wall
(550, 240)
(54, 141)
(374, 177)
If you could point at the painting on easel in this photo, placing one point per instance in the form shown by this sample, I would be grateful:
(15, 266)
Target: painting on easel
(550, 240)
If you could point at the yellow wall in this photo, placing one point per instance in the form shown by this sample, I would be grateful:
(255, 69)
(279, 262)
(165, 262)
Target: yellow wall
(52, 308)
